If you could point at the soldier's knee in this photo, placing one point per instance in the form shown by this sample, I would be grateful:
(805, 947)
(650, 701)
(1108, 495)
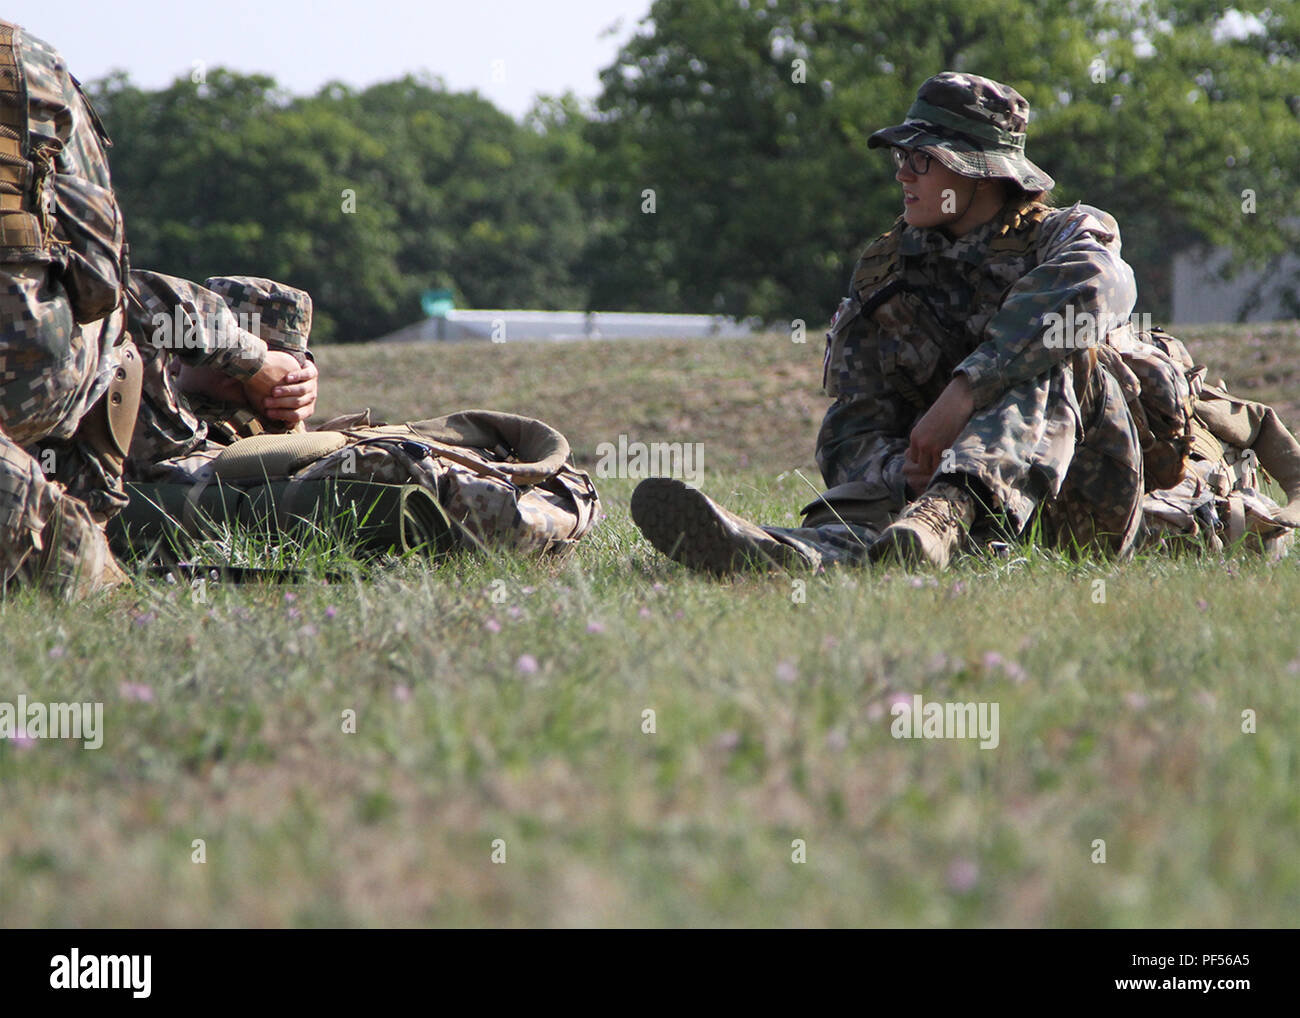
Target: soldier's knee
(27, 500)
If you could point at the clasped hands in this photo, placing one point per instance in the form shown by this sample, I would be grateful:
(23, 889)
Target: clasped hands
(282, 390)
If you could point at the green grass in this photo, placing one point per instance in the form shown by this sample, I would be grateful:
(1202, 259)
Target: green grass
(504, 698)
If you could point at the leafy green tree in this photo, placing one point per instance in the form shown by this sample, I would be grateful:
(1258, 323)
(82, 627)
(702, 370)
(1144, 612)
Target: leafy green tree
(749, 119)
(366, 199)
(725, 165)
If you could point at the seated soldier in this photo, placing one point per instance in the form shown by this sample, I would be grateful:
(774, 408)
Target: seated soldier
(71, 378)
(958, 414)
(484, 478)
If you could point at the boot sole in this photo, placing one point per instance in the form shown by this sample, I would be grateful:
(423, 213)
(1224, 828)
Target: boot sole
(681, 522)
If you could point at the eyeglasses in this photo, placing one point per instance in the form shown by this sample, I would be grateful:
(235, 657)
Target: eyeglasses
(918, 162)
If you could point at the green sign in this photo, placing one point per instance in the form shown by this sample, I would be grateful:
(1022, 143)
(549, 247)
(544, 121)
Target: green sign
(436, 303)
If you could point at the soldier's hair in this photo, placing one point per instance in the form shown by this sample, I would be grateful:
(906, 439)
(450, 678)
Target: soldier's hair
(1014, 190)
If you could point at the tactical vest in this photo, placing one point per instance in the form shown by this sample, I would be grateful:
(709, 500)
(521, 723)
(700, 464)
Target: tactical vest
(24, 202)
(47, 216)
(916, 351)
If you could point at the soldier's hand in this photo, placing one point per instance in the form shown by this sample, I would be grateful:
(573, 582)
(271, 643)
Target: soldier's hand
(936, 431)
(916, 476)
(294, 399)
(275, 370)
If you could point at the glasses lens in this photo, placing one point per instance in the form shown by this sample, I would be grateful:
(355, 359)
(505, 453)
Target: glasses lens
(917, 162)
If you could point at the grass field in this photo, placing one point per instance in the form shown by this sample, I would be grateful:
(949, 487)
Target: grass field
(496, 698)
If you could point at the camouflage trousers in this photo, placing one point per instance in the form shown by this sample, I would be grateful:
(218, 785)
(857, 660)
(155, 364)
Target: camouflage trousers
(54, 490)
(1067, 458)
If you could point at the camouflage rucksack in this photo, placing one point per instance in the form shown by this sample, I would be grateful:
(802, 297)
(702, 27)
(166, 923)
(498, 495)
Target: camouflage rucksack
(477, 478)
(1220, 499)
(1202, 447)
(1160, 385)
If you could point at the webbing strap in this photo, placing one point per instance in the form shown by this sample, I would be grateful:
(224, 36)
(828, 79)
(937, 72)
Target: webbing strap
(20, 230)
(1236, 517)
(878, 263)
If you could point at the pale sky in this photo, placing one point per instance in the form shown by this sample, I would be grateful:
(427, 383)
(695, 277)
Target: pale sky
(508, 50)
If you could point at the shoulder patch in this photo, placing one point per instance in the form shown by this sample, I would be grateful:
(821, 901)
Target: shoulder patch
(1071, 228)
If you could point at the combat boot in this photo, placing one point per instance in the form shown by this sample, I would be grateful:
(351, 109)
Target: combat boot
(930, 529)
(75, 559)
(1278, 452)
(690, 528)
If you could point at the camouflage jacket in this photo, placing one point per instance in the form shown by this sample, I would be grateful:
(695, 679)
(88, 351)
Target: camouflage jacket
(923, 307)
(58, 330)
(175, 321)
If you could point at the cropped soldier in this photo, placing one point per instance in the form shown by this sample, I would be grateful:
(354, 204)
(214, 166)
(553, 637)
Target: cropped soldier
(69, 377)
(70, 373)
(491, 479)
(958, 413)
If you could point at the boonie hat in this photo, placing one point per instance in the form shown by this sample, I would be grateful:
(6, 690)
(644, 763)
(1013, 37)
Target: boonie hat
(974, 126)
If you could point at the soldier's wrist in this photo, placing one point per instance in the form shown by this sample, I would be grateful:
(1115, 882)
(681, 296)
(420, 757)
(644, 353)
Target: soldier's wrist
(248, 361)
(984, 385)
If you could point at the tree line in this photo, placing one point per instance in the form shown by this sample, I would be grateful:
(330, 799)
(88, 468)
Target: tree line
(723, 167)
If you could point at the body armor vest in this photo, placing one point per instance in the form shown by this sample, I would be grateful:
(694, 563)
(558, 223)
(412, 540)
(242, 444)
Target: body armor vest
(889, 326)
(24, 214)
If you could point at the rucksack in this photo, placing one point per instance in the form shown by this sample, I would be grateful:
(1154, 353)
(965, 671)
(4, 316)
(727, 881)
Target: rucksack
(476, 478)
(1160, 384)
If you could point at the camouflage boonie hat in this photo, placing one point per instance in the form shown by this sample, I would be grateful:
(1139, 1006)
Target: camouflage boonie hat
(285, 310)
(974, 126)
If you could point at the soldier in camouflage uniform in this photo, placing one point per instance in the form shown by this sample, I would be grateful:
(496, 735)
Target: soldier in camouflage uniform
(66, 365)
(202, 348)
(953, 411)
(70, 373)
(503, 481)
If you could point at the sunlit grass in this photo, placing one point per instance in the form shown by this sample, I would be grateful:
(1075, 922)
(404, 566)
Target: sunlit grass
(502, 698)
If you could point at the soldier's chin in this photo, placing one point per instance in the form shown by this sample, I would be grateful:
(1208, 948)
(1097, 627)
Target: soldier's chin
(914, 216)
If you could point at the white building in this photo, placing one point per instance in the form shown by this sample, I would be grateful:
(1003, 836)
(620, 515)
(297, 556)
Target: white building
(509, 326)
(1199, 295)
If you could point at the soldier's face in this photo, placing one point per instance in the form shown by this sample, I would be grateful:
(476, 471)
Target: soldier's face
(937, 197)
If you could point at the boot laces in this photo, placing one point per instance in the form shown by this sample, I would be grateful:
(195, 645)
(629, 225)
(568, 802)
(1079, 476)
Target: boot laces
(938, 512)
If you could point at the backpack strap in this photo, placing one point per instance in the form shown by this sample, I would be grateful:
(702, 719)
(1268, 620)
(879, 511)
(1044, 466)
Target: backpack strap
(1016, 239)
